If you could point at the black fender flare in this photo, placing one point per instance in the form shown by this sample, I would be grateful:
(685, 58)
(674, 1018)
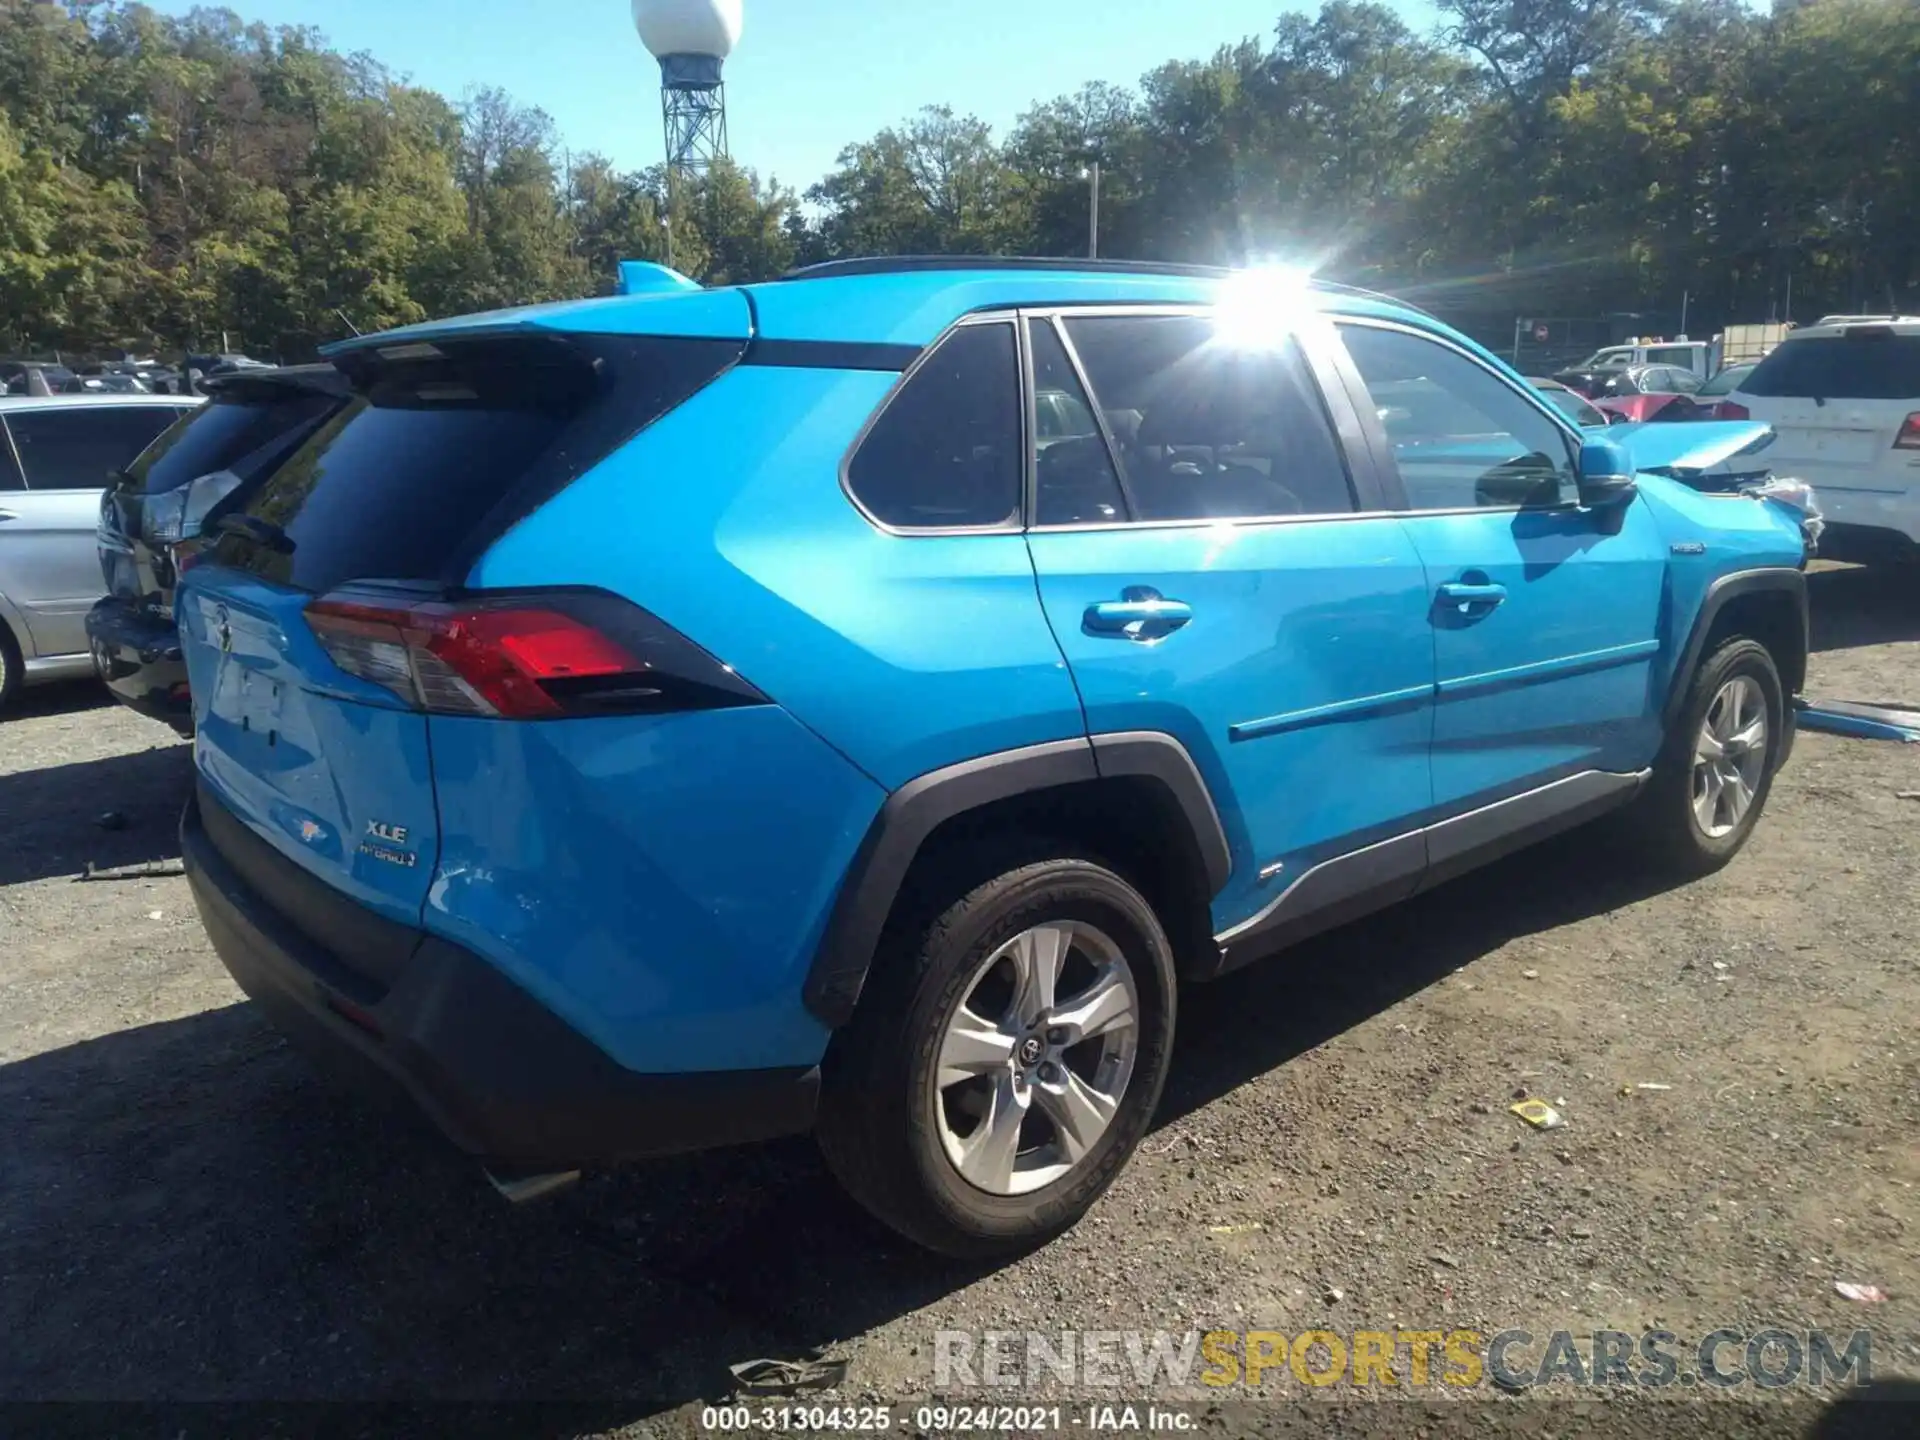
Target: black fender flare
(1727, 588)
(914, 811)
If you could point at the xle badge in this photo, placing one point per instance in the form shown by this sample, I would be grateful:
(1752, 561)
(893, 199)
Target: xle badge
(381, 840)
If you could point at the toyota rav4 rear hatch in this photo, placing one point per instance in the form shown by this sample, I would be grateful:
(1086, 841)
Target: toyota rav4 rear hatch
(327, 618)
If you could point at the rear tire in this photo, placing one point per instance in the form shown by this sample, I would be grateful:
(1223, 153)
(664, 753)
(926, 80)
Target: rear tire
(12, 670)
(1712, 779)
(938, 1102)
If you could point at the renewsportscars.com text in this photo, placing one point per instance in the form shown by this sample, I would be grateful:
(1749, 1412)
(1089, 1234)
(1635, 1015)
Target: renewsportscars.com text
(1769, 1358)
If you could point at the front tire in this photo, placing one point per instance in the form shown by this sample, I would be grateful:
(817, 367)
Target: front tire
(1713, 777)
(1008, 1056)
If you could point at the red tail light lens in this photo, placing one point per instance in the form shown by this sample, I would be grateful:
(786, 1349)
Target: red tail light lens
(523, 656)
(1909, 436)
(1729, 410)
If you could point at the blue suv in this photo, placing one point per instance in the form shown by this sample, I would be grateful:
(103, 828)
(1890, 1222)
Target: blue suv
(855, 703)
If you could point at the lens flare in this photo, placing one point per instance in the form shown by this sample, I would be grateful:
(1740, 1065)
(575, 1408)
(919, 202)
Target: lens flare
(1260, 308)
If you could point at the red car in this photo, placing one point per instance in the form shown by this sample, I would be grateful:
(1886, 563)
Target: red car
(1641, 392)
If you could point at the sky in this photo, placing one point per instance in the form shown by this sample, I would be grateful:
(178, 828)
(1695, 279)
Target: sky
(809, 77)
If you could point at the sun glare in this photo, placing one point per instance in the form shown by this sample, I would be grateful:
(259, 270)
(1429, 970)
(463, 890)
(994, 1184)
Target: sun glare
(1259, 308)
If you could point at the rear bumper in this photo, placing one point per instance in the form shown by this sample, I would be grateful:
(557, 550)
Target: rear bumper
(498, 1073)
(1867, 544)
(138, 656)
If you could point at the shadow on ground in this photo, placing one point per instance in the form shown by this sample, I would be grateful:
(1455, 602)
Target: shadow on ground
(191, 1214)
(51, 818)
(65, 697)
(1864, 605)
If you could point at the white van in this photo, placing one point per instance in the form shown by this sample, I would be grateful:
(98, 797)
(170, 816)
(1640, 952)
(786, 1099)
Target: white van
(1844, 401)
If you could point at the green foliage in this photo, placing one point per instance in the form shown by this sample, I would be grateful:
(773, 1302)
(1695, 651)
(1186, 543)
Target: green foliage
(167, 181)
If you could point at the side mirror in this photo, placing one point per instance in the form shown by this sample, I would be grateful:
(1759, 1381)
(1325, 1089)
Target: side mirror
(1607, 483)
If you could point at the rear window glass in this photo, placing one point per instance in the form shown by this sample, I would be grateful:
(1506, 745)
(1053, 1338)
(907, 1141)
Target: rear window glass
(238, 433)
(1882, 366)
(1726, 380)
(945, 453)
(439, 443)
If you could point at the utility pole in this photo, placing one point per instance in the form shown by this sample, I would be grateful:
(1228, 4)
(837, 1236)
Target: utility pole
(1093, 218)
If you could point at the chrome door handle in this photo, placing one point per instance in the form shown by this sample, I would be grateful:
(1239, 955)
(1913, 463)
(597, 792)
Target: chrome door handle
(1463, 595)
(1142, 614)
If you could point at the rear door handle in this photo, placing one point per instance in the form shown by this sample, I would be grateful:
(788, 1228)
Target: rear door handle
(1142, 614)
(1462, 594)
(8, 515)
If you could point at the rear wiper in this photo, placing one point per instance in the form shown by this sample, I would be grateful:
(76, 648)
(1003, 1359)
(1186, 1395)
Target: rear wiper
(261, 532)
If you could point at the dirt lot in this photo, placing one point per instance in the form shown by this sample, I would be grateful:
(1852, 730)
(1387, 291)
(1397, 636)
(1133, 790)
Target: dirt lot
(186, 1214)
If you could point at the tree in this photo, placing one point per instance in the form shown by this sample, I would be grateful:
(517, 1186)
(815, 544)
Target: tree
(167, 179)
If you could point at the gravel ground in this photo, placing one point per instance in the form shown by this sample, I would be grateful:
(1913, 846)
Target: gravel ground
(187, 1214)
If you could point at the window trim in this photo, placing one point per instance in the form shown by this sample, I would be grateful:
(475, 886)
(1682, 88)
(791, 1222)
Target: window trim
(1313, 337)
(1017, 523)
(1052, 321)
(1377, 435)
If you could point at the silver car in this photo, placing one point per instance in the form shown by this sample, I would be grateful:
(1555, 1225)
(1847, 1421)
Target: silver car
(56, 452)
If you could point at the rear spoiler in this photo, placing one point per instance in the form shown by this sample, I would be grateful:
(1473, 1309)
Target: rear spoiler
(319, 379)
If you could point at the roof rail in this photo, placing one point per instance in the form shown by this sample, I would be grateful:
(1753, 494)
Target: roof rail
(1357, 292)
(908, 264)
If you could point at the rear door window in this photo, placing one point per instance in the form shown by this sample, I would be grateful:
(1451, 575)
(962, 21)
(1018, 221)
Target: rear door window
(1075, 482)
(1873, 363)
(80, 448)
(1207, 430)
(945, 452)
(442, 446)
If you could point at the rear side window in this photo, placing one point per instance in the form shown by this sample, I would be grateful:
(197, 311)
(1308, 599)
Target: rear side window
(81, 447)
(242, 433)
(1075, 482)
(1872, 363)
(1207, 430)
(945, 452)
(442, 447)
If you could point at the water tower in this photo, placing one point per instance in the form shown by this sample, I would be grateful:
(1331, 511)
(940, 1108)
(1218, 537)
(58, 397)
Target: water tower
(691, 39)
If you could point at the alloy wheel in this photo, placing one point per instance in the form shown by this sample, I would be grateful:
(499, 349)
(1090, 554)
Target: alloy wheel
(1729, 757)
(1036, 1057)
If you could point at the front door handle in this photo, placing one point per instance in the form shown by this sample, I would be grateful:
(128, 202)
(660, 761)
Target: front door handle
(1142, 613)
(1466, 596)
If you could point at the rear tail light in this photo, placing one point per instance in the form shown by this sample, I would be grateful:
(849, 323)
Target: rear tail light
(1909, 436)
(1730, 410)
(523, 655)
